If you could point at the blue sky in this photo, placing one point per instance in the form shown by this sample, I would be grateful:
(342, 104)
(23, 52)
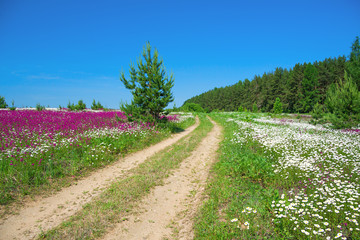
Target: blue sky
(56, 51)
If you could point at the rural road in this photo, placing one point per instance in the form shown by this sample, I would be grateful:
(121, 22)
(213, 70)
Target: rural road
(181, 193)
(174, 204)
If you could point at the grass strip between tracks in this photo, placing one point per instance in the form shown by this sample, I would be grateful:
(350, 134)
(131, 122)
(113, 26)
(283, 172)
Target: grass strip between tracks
(239, 192)
(116, 202)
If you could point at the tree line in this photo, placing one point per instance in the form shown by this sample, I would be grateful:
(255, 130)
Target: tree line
(299, 88)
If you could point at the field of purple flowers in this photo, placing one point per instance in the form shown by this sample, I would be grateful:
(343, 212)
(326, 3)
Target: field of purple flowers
(37, 147)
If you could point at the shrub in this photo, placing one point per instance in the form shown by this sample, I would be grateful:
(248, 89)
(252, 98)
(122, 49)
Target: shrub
(78, 107)
(12, 106)
(96, 106)
(192, 107)
(39, 107)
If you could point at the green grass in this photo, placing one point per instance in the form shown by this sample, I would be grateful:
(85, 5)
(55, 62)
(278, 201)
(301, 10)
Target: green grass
(119, 200)
(241, 180)
(279, 181)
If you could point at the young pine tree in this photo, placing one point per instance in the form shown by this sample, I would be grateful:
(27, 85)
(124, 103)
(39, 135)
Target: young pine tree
(255, 109)
(3, 103)
(309, 87)
(150, 87)
(277, 106)
(353, 65)
(80, 106)
(96, 105)
(343, 102)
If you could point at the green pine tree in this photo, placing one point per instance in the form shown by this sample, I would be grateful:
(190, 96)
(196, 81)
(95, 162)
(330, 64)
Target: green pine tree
(277, 106)
(150, 87)
(96, 105)
(255, 108)
(353, 65)
(3, 103)
(93, 105)
(317, 114)
(343, 102)
(80, 106)
(309, 88)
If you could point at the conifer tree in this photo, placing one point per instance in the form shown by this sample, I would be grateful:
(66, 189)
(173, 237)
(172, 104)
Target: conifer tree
(353, 65)
(255, 109)
(343, 101)
(309, 87)
(277, 106)
(150, 87)
(96, 106)
(3, 103)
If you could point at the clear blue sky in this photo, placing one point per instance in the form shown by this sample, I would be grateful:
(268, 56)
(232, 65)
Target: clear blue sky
(56, 51)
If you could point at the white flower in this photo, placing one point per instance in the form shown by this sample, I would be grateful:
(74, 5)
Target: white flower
(338, 235)
(306, 233)
(234, 220)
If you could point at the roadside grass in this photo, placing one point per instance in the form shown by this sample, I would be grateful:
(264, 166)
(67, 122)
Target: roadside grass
(240, 192)
(282, 179)
(119, 200)
(71, 163)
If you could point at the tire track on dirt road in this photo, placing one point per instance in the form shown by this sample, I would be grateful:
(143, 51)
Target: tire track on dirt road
(166, 204)
(47, 213)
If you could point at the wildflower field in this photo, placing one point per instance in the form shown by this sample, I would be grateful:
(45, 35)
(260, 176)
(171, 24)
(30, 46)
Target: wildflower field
(38, 147)
(282, 179)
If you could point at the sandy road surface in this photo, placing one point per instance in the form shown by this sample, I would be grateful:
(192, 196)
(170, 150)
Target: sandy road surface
(49, 212)
(175, 203)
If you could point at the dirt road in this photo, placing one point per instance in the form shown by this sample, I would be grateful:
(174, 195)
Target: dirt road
(47, 213)
(170, 208)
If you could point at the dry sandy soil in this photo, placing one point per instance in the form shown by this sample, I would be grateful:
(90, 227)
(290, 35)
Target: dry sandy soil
(170, 205)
